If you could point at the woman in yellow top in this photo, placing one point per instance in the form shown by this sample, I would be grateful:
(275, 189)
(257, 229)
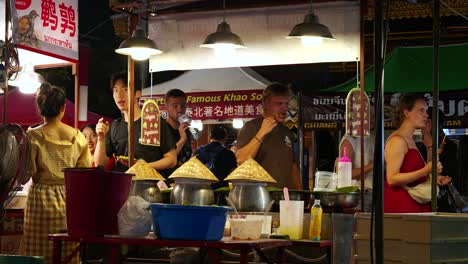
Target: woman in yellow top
(54, 146)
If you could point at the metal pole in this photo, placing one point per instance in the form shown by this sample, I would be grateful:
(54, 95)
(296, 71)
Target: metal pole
(378, 185)
(301, 141)
(131, 109)
(7, 58)
(361, 70)
(435, 101)
(75, 72)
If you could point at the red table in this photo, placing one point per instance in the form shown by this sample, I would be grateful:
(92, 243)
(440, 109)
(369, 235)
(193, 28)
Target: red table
(245, 246)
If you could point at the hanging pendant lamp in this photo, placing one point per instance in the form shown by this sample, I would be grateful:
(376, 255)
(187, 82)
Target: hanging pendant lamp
(311, 32)
(139, 46)
(223, 38)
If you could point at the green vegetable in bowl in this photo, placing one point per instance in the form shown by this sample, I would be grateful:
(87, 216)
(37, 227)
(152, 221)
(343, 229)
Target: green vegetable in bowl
(348, 189)
(222, 189)
(273, 189)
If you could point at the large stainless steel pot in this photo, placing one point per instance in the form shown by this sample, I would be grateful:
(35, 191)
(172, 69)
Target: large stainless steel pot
(192, 191)
(249, 196)
(147, 189)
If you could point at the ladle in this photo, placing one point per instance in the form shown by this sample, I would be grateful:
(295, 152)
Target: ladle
(229, 201)
(268, 208)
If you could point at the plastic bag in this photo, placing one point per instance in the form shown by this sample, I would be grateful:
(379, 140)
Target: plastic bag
(134, 217)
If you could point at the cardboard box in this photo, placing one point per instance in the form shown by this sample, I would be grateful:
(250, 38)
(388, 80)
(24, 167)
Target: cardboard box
(10, 244)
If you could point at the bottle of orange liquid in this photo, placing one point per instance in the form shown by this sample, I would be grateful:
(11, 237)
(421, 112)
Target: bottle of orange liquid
(315, 226)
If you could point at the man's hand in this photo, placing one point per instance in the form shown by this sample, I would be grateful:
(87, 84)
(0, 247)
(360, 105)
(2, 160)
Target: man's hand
(267, 126)
(182, 133)
(102, 128)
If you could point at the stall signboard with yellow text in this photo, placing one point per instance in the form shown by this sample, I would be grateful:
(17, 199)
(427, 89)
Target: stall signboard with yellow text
(218, 105)
(327, 110)
(48, 27)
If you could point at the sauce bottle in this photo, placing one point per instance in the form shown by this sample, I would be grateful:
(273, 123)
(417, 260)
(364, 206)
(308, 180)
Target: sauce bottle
(344, 171)
(315, 226)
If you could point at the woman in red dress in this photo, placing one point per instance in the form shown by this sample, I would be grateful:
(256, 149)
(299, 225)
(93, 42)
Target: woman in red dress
(404, 163)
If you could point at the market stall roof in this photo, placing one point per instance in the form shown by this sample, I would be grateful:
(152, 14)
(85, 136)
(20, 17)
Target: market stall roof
(208, 80)
(263, 31)
(409, 69)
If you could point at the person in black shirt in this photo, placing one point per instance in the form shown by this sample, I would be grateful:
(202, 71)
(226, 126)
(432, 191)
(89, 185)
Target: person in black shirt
(220, 160)
(176, 105)
(113, 139)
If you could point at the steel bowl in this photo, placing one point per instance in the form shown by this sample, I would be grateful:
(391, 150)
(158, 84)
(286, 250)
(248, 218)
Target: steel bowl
(192, 191)
(249, 196)
(146, 189)
(327, 199)
(347, 200)
(335, 199)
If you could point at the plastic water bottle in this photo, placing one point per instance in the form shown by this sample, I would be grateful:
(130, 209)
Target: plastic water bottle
(344, 171)
(315, 221)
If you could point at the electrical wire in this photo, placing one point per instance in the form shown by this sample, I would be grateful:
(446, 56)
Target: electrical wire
(9, 56)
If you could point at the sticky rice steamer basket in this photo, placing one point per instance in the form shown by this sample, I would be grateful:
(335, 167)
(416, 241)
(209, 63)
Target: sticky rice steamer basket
(325, 181)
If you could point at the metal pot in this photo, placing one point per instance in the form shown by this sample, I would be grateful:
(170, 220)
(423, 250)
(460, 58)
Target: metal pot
(147, 189)
(294, 195)
(249, 196)
(192, 191)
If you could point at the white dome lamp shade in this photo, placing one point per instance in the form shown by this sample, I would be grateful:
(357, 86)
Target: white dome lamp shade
(223, 40)
(27, 80)
(311, 32)
(139, 46)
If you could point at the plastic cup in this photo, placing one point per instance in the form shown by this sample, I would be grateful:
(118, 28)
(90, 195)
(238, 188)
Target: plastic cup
(291, 219)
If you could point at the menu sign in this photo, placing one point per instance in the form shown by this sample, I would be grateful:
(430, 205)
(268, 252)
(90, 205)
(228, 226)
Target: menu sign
(353, 113)
(150, 124)
(327, 110)
(49, 27)
(219, 104)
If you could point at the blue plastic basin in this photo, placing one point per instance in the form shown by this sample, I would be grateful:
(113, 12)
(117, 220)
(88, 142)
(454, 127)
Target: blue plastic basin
(187, 222)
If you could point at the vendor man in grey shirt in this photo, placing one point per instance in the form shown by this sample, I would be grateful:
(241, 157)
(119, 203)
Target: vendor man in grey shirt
(268, 141)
